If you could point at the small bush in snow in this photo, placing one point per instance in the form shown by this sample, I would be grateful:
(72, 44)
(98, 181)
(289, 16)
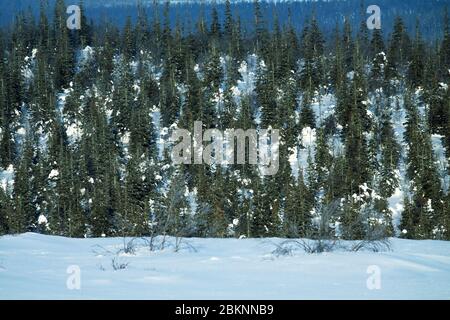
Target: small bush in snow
(373, 245)
(129, 246)
(282, 249)
(318, 246)
(118, 265)
(286, 248)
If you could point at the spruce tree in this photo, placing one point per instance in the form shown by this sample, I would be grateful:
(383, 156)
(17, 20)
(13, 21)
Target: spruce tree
(416, 67)
(64, 56)
(445, 47)
(24, 210)
(297, 218)
(6, 212)
(398, 50)
(426, 203)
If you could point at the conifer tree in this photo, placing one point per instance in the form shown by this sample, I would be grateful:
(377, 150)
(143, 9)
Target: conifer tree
(100, 159)
(337, 72)
(426, 202)
(77, 219)
(24, 210)
(64, 59)
(266, 95)
(123, 98)
(445, 46)
(378, 57)
(229, 21)
(138, 183)
(416, 68)
(5, 212)
(312, 71)
(347, 46)
(398, 50)
(128, 41)
(297, 218)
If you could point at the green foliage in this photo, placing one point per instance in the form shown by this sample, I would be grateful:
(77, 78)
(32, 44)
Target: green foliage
(80, 128)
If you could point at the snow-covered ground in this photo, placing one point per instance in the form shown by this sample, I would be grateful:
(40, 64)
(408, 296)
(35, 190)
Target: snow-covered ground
(35, 266)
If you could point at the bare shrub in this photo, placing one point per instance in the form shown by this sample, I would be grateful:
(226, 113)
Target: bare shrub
(183, 244)
(283, 249)
(318, 246)
(328, 213)
(150, 243)
(378, 245)
(118, 265)
(375, 240)
(178, 242)
(129, 246)
(286, 248)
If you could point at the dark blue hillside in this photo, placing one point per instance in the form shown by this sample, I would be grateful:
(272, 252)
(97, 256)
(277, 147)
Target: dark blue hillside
(428, 12)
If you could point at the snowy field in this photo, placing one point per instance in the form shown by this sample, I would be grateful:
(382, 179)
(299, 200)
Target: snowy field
(34, 266)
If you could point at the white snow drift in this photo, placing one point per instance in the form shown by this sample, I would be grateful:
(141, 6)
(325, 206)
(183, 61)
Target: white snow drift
(35, 266)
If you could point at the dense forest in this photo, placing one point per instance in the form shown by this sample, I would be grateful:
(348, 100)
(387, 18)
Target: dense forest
(86, 116)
